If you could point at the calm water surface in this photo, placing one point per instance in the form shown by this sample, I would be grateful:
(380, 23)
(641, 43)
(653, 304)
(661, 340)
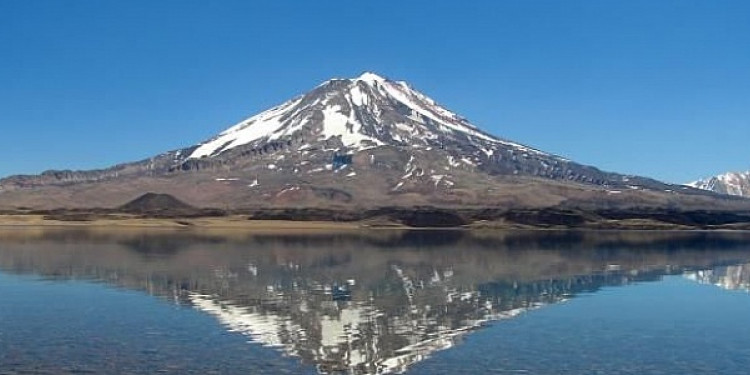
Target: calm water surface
(381, 302)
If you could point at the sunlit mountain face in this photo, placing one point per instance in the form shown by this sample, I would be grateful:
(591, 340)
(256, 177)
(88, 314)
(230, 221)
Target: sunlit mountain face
(731, 183)
(353, 143)
(376, 302)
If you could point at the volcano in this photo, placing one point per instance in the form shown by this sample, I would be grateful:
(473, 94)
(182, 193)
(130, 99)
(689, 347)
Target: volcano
(363, 142)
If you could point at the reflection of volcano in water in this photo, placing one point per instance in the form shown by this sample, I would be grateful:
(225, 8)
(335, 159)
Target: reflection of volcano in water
(376, 332)
(375, 303)
(395, 322)
(736, 277)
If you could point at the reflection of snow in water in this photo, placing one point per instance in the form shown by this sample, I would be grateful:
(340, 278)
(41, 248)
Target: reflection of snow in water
(380, 324)
(354, 337)
(735, 277)
(263, 328)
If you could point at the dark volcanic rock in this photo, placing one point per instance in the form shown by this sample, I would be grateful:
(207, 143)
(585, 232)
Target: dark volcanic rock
(431, 218)
(546, 217)
(152, 203)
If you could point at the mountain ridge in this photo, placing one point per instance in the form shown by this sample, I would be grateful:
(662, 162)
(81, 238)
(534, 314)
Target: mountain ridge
(730, 183)
(366, 141)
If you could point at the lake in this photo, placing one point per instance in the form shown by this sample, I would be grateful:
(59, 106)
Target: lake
(76, 301)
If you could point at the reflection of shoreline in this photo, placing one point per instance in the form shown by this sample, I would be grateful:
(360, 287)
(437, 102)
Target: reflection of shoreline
(296, 232)
(402, 296)
(736, 277)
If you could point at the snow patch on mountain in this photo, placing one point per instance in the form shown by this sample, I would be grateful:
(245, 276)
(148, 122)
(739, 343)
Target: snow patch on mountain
(249, 130)
(732, 183)
(364, 112)
(337, 124)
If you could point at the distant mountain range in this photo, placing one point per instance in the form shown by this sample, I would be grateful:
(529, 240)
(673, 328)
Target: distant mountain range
(362, 142)
(732, 183)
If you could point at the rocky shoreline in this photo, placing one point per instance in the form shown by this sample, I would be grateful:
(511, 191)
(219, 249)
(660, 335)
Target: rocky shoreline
(391, 217)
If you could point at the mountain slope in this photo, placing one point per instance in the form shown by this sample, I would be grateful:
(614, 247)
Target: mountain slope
(369, 111)
(363, 142)
(363, 112)
(732, 183)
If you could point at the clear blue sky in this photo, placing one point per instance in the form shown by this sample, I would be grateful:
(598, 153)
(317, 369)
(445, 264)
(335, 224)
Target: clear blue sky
(657, 88)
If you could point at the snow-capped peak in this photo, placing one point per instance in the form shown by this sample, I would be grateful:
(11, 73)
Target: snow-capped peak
(370, 77)
(732, 183)
(363, 112)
